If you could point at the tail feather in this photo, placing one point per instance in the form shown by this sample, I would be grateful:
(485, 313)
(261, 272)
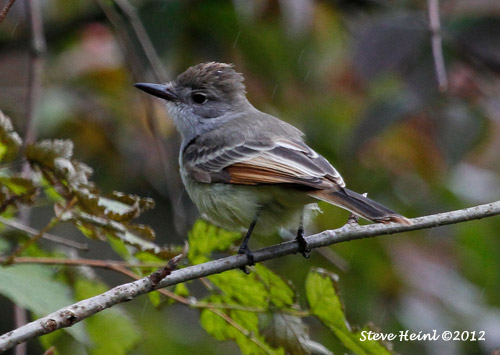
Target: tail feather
(360, 205)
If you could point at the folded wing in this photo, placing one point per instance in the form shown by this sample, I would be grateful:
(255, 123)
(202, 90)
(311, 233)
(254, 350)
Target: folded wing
(263, 162)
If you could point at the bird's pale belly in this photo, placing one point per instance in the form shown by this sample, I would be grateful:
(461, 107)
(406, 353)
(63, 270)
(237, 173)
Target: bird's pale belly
(234, 207)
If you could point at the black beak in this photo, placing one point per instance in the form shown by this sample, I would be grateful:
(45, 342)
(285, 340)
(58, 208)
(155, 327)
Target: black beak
(159, 90)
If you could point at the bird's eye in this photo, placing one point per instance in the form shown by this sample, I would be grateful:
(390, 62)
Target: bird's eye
(199, 98)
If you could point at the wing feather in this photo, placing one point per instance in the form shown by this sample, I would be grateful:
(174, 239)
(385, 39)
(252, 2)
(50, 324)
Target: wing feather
(263, 162)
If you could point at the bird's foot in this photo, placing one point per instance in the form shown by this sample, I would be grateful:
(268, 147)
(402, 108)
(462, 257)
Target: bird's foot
(244, 249)
(303, 248)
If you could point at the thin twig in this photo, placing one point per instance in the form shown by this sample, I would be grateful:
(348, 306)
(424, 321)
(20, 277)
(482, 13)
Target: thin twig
(72, 314)
(6, 9)
(437, 48)
(32, 231)
(101, 264)
(53, 222)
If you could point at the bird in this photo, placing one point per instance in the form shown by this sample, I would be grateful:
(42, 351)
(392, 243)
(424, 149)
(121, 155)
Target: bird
(246, 170)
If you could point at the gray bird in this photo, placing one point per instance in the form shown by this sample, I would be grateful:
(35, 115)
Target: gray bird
(247, 170)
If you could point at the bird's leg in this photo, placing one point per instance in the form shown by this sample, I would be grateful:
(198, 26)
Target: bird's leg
(244, 249)
(300, 238)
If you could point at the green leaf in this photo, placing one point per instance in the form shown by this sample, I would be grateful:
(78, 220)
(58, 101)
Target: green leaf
(204, 238)
(35, 288)
(280, 293)
(98, 227)
(18, 185)
(151, 258)
(119, 247)
(16, 189)
(111, 331)
(182, 290)
(142, 230)
(141, 204)
(326, 305)
(53, 157)
(89, 230)
(154, 298)
(245, 289)
(10, 142)
(250, 322)
(245, 334)
(215, 325)
(51, 192)
(118, 207)
(140, 244)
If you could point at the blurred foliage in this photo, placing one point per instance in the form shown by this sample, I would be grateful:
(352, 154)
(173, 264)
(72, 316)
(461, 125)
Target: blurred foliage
(358, 77)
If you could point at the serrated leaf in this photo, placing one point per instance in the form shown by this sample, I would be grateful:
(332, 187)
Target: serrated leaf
(111, 331)
(93, 226)
(141, 244)
(142, 203)
(204, 238)
(249, 320)
(326, 305)
(10, 142)
(214, 325)
(280, 293)
(142, 230)
(35, 288)
(116, 209)
(123, 208)
(46, 151)
(73, 172)
(246, 335)
(245, 289)
(90, 231)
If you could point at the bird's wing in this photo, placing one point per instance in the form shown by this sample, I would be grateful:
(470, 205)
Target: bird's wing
(274, 161)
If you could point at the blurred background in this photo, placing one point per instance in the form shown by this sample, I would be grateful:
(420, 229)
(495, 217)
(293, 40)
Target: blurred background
(360, 78)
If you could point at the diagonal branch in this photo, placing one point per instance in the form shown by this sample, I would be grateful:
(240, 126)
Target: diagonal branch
(6, 9)
(32, 231)
(73, 314)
